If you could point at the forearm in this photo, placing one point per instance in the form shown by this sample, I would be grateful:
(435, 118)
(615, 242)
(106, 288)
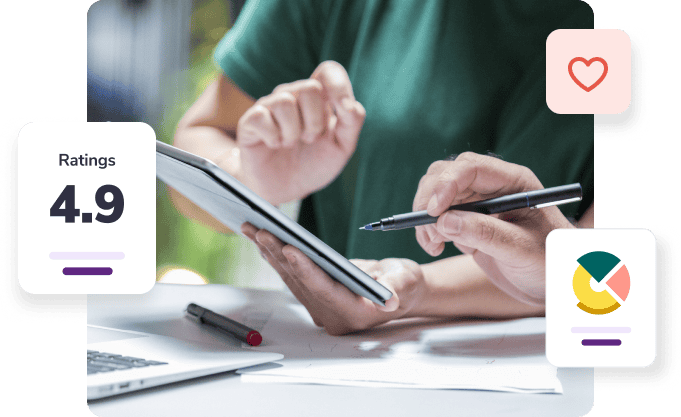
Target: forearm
(208, 128)
(458, 287)
(209, 142)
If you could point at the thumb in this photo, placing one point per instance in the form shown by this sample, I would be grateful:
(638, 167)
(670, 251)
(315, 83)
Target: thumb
(349, 124)
(393, 303)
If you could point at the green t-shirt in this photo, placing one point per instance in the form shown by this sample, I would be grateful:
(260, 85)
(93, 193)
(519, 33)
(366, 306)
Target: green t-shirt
(436, 78)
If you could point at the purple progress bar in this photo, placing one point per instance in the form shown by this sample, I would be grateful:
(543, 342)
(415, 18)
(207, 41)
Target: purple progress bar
(87, 271)
(87, 256)
(601, 342)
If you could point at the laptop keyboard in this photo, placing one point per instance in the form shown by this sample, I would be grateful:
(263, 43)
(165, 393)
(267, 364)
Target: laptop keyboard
(99, 362)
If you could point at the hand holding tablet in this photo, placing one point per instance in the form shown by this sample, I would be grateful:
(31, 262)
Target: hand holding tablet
(330, 304)
(233, 204)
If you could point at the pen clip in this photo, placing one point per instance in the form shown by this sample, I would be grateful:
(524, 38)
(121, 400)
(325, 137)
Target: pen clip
(555, 203)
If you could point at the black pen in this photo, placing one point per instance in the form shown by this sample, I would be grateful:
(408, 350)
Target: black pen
(533, 199)
(238, 330)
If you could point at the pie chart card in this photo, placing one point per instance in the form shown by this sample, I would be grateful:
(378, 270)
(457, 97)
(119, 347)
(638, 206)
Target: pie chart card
(87, 208)
(600, 297)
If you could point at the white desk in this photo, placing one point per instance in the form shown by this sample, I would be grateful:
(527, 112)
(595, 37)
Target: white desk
(161, 311)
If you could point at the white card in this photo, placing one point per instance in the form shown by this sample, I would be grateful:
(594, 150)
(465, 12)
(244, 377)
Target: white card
(87, 208)
(600, 297)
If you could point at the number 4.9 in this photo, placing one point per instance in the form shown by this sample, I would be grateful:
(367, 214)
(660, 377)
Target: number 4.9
(67, 199)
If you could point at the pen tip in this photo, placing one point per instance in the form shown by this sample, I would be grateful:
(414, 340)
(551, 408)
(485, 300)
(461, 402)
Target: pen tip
(367, 227)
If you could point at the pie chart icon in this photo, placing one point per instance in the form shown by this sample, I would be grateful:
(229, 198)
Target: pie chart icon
(605, 268)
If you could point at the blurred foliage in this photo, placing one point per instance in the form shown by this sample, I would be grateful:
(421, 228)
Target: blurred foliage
(181, 243)
(209, 23)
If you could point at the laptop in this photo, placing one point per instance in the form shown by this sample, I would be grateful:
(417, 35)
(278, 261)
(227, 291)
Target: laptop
(120, 361)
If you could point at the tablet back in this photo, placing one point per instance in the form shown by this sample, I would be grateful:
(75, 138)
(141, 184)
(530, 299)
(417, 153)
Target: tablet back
(233, 204)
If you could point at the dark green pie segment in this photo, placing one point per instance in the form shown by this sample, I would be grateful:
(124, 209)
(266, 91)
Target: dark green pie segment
(598, 264)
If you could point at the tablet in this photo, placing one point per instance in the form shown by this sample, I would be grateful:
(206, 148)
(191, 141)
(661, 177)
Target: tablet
(233, 204)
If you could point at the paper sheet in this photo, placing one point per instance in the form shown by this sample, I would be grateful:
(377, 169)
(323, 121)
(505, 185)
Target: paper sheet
(419, 354)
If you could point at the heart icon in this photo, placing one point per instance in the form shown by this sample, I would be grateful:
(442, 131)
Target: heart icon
(588, 63)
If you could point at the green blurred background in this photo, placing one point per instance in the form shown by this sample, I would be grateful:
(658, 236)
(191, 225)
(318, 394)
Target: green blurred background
(180, 242)
(148, 61)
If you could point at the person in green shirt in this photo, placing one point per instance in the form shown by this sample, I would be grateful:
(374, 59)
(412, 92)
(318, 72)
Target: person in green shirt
(345, 104)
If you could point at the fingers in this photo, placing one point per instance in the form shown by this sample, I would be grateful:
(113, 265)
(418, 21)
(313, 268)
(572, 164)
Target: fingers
(335, 80)
(275, 257)
(251, 233)
(256, 126)
(497, 238)
(471, 232)
(284, 110)
(349, 124)
(342, 311)
(306, 111)
(293, 112)
(313, 279)
(330, 303)
(434, 247)
(471, 174)
(424, 192)
(309, 98)
(338, 91)
(347, 311)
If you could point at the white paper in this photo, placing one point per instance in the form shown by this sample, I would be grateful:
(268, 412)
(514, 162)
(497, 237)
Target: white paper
(500, 356)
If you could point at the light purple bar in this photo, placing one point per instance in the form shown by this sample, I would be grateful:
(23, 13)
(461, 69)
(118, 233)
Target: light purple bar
(87, 256)
(601, 330)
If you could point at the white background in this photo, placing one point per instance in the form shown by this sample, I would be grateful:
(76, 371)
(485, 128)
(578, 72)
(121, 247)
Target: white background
(636, 250)
(42, 180)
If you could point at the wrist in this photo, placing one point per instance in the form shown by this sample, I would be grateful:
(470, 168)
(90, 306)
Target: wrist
(232, 163)
(453, 287)
(422, 304)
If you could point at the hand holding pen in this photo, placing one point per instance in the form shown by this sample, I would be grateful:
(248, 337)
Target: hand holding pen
(508, 246)
(536, 199)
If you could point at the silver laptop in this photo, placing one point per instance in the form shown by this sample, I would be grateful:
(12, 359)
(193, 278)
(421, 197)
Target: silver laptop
(121, 361)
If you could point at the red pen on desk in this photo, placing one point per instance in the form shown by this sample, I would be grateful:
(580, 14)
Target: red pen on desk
(238, 330)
